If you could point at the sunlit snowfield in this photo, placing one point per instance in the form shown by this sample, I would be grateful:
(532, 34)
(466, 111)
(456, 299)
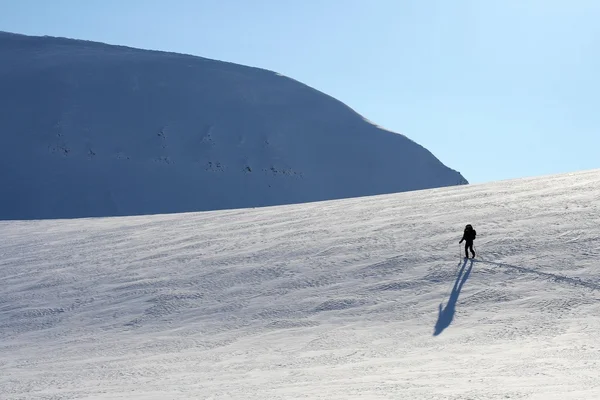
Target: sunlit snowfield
(362, 298)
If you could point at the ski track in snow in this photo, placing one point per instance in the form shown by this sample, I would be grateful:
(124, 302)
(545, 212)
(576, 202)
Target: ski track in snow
(359, 298)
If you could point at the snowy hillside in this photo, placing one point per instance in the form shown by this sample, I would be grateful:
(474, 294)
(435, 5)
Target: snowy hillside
(89, 129)
(359, 298)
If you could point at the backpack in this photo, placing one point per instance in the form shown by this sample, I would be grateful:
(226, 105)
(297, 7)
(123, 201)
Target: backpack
(470, 231)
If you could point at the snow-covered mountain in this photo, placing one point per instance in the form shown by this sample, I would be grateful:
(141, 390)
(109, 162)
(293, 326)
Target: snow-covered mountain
(363, 298)
(89, 129)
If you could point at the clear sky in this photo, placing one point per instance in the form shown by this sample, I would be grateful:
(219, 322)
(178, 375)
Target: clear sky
(496, 89)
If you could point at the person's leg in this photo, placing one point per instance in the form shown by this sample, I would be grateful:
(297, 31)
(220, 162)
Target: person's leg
(467, 250)
(471, 248)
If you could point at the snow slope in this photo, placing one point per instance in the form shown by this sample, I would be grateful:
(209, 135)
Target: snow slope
(88, 129)
(358, 298)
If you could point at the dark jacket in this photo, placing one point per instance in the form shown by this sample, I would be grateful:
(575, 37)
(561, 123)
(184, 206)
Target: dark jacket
(469, 235)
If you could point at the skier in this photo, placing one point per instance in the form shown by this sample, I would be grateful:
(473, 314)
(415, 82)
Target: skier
(468, 238)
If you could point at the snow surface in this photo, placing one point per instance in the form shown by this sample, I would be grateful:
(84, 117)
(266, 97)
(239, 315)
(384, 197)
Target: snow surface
(89, 129)
(358, 298)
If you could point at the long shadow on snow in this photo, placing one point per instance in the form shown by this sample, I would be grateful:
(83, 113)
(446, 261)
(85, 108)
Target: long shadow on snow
(446, 314)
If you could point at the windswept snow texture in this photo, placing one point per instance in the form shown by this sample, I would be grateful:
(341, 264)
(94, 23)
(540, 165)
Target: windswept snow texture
(89, 129)
(362, 298)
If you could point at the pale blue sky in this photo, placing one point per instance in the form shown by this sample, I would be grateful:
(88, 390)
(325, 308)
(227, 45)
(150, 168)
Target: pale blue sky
(495, 89)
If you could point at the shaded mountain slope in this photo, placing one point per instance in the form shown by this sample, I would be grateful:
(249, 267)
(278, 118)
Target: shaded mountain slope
(90, 129)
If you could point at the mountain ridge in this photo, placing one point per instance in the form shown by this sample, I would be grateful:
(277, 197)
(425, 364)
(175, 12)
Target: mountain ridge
(105, 130)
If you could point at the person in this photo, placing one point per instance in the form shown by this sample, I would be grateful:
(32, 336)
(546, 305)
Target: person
(468, 237)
